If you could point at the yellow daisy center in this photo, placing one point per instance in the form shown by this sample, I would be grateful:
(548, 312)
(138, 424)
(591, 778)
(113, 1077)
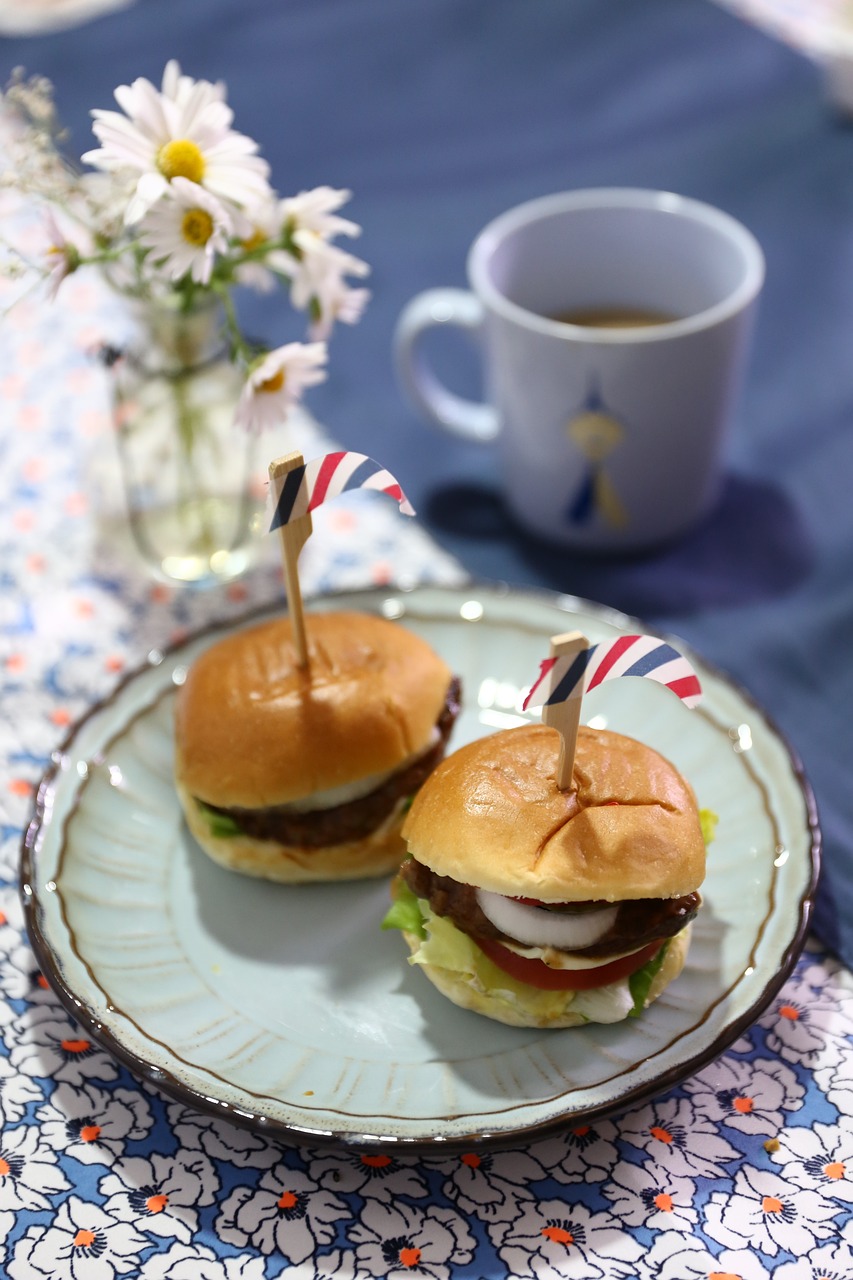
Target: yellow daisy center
(255, 240)
(273, 383)
(181, 158)
(197, 227)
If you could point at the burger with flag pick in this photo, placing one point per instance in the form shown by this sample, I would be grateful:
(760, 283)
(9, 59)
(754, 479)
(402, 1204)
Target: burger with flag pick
(299, 743)
(553, 882)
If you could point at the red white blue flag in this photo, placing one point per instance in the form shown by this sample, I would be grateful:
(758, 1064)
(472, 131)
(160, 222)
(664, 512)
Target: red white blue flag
(308, 486)
(573, 675)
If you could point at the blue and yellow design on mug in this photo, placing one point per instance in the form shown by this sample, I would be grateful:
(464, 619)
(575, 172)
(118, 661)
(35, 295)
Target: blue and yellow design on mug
(596, 433)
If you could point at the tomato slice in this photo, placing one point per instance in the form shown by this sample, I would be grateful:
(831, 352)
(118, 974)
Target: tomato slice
(538, 974)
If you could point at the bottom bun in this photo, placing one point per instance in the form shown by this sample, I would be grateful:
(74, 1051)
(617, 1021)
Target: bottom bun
(459, 988)
(378, 854)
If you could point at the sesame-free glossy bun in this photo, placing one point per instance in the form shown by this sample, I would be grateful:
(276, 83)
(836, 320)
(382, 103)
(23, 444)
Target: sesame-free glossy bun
(255, 730)
(492, 815)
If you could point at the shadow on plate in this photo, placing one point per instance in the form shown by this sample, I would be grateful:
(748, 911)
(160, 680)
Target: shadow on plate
(754, 546)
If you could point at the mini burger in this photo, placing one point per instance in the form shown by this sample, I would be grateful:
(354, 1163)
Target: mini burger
(542, 907)
(305, 773)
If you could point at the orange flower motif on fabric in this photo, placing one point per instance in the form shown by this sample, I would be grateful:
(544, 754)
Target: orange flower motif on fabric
(76, 1046)
(559, 1234)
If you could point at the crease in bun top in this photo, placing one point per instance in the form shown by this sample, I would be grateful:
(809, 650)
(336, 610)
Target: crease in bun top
(545, 907)
(298, 773)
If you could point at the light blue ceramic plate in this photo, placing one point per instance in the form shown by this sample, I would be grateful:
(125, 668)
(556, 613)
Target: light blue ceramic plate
(286, 1009)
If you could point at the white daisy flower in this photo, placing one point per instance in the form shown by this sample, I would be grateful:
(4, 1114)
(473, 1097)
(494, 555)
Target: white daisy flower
(264, 226)
(183, 131)
(185, 230)
(277, 383)
(62, 256)
(316, 211)
(321, 270)
(333, 302)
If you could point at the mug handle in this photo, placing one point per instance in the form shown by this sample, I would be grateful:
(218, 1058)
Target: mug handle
(467, 419)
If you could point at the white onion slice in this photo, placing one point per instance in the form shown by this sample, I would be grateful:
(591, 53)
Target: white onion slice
(536, 927)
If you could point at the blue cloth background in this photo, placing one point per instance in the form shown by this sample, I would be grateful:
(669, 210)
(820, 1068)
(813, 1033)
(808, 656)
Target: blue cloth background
(440, 114)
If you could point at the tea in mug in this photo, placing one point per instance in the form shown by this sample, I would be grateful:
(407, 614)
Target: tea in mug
(613, 317)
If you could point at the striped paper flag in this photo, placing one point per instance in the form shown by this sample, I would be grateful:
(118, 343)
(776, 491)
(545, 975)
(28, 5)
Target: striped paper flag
(305, 488)
(574, 675)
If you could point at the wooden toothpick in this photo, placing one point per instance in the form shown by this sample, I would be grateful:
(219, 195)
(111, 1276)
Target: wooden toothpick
(294, 535)
(564, 716)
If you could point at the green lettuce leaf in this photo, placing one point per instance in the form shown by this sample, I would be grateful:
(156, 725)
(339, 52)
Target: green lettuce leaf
(446, 947)
(640, 982)
(221, 826)
(449, 948)
(404, 912)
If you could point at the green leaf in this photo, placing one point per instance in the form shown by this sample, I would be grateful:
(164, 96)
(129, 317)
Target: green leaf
(404, 912)
(640, 983)
(221, 826)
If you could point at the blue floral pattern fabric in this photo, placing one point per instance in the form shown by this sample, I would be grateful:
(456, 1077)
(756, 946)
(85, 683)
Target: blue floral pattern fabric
(745, 1170)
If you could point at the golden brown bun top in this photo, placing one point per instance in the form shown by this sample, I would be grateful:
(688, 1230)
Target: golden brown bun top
(252, 729)
(491, 815)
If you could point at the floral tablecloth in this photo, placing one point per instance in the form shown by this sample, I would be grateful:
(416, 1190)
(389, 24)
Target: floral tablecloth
(744, 1171)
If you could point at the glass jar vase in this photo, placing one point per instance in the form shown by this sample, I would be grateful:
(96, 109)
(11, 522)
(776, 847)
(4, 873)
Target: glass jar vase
(192, 479)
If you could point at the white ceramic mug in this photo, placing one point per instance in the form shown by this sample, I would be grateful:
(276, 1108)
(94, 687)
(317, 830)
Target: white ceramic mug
(611, 438)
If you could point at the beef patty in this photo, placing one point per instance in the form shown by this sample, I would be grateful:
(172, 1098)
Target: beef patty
(638, 921)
